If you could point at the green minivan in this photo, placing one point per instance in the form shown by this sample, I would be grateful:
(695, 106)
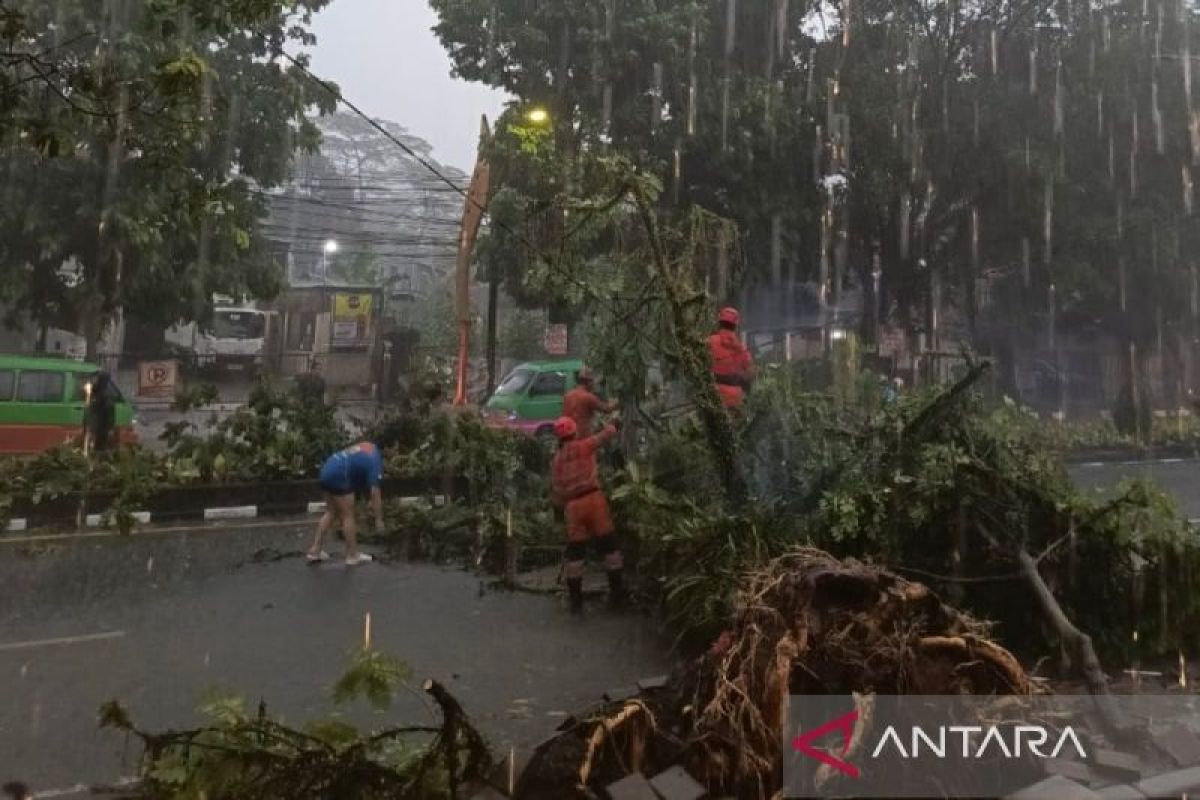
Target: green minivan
(42, 402)
(530, 397)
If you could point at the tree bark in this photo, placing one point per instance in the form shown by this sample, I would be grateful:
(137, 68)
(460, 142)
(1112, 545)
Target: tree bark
(719, 433)
(1078, 641)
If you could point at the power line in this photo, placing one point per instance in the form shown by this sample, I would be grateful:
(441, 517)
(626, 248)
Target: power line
(334, 92)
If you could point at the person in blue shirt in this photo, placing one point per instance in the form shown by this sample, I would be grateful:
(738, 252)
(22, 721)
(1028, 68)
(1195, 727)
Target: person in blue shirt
(355, 470)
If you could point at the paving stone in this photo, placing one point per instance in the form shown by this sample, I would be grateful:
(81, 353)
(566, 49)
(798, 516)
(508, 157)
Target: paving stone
(1122, 765)
(1075, 770)
(1056, 787)
(1170, 784)
(657, 682)
(1181, 745)
(620, 693)
(631, 787)
(676, 784)
(1120, 791)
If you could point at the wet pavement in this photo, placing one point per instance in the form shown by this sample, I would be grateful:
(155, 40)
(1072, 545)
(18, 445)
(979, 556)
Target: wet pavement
(1178, 477)
(159, 621)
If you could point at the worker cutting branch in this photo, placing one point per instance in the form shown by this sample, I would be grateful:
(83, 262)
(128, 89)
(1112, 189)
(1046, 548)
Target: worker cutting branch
(576, 488)
(732, 365)
(582, 403)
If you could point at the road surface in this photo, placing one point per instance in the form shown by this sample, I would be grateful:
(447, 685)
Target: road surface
(160, 620)
(1178, 477)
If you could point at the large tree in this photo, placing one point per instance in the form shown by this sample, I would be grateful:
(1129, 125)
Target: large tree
(137, 136)
(1027, 162)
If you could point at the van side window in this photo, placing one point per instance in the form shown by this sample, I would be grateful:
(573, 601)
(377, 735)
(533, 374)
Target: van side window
(7, 378)
(549, 383)
(35, 386)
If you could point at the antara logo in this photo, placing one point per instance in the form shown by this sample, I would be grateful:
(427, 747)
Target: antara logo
(843, 725)
(1011, 742)
(973, 742)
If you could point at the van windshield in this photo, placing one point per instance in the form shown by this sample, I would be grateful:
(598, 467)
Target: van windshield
(238, 325)
(516, 382)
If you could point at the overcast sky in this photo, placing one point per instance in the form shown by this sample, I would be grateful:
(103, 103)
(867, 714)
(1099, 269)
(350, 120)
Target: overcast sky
(388, 62)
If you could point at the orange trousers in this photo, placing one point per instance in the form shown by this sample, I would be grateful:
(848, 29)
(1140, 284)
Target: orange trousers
(588, 517)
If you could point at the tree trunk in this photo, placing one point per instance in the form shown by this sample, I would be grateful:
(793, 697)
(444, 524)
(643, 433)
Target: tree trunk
(722, 441)
(1083, 653)
(93, 329)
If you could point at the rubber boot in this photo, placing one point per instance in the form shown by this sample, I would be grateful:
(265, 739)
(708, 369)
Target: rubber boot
(575, 595)
(617, 598)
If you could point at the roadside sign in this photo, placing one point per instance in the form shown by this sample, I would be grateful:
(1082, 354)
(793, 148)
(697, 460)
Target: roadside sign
(157, 378)
(351, 319)
(892, 342)
(556, 340)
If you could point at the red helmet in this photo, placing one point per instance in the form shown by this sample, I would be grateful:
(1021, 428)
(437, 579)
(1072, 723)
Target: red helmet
(729, 315)
(585, 375)
(565, 428)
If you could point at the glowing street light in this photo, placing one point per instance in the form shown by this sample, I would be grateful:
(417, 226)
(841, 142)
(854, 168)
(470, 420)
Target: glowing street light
(330, 248)
(538, 115)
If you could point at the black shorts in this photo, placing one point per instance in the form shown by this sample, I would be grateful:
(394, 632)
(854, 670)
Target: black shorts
(336, 491)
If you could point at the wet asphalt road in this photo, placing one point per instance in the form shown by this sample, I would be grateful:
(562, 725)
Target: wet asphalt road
(158, 621)
(1179, 477)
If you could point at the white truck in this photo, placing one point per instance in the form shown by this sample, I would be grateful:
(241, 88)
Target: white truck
(236, 337)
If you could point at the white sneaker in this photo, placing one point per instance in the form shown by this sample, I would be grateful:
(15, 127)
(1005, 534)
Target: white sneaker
(360, 558)
(316, 558)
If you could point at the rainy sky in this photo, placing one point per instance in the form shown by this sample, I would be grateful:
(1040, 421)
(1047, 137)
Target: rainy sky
(388, 62)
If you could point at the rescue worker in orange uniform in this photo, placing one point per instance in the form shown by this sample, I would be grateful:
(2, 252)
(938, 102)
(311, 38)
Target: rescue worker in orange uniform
(581, 403)
(732, 366)
(576, 488)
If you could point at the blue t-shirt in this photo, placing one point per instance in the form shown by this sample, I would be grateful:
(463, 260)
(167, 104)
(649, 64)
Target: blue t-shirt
(355, 469)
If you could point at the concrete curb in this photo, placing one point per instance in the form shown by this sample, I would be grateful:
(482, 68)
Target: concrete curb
(21, 524)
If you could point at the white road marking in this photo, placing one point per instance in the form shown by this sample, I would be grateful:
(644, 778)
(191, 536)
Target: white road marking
(62, 640)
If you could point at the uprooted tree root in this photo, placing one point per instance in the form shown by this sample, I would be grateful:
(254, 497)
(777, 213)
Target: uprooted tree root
(807, 623)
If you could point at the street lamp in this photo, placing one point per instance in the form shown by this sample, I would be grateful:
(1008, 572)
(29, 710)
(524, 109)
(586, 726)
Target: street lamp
(538, 115)
(330, 248)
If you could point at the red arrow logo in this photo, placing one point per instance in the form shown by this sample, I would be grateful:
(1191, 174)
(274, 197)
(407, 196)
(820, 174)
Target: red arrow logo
(845, 725)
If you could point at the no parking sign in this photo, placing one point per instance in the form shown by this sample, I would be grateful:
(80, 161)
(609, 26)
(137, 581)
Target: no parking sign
(157, 378)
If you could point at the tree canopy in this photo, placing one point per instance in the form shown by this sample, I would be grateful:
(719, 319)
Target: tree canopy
(1027, 162)
(137, 136)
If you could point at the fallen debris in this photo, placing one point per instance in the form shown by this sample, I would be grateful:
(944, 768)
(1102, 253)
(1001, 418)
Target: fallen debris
(806, 623)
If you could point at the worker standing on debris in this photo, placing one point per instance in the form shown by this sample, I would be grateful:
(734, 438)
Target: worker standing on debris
(581, 403)
(355, 470)
(732, 366)
(576, 488)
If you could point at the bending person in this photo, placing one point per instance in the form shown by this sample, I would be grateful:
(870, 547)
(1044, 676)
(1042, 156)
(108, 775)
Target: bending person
(355, 470)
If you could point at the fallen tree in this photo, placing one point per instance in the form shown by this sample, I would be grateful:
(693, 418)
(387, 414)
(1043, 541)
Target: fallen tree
(245, 756)
(806, 623)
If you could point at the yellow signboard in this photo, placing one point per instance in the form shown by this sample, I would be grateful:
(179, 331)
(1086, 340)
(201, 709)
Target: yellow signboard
(351, 305)
(351, 323)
